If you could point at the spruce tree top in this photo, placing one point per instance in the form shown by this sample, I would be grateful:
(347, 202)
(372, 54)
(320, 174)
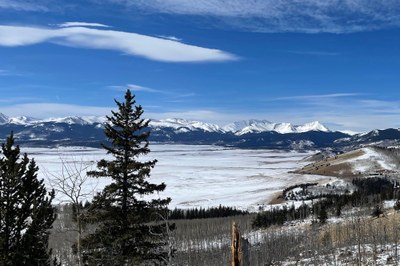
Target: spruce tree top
(125, 128)
(127, 231)
(128, 136)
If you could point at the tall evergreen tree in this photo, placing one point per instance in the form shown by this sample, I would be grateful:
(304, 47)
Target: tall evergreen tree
(127, 233)
(26, 213)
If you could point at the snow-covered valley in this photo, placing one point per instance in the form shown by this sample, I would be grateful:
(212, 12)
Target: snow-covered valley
(196, 175)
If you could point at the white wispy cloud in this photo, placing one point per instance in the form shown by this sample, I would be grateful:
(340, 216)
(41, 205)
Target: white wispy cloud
(127, 42)
(11, 100)
(22, 5)
(46, 110)
(82, 24)
(172, 38)
(6, 72)
(204, 115)
(316, 96)
(134, 88)
(311, 16)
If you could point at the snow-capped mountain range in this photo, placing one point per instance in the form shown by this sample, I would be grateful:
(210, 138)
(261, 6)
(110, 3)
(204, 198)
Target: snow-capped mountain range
(182, 125)
(26, 120)
(238, 128)
(88, 131)
(257, 126)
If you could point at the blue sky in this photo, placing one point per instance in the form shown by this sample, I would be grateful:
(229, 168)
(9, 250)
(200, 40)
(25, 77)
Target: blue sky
(216, 61)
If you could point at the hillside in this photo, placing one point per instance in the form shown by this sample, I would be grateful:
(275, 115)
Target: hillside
(367, 161)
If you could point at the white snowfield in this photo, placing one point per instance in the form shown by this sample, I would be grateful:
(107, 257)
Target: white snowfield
(196, 176)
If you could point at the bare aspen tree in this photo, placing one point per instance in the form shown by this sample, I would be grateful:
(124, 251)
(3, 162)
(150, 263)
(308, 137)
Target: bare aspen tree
(168, 231)
(395, 229)
(73, 184)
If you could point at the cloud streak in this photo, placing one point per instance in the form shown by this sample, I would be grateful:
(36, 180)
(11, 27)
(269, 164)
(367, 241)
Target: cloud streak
(309, 16)
(46, 110)
(152, 48)
(82, 24)
(135, 88)
(316, 97)
(22, 5)
(8, 73)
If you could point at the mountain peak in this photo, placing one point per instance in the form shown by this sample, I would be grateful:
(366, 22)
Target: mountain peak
(3, 118)
(312, 126)
(248, 126)
(81, 120)
(183, 125)
(258, 126)
(21, 120)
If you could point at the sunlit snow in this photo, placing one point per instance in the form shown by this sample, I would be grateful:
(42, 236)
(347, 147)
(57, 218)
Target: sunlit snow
(197, 175)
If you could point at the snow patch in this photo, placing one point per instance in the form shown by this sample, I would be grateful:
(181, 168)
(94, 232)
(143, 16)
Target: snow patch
(369, 159)
(182, 125)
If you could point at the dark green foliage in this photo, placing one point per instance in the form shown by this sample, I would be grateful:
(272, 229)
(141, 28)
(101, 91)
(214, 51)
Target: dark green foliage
(278, 216)
(397, 205)
(26, 213)
(338, 210)
(131, 228)
(303, 186)
(201, 213)
(375, 185)
(322, 214)
(377, 211)
(369, 190)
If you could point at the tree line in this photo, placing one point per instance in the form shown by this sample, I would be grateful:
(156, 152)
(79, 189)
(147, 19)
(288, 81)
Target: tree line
(203, 213)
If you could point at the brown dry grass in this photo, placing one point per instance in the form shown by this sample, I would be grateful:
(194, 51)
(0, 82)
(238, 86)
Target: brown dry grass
(333, 166)
(277, 199)
(365, 228)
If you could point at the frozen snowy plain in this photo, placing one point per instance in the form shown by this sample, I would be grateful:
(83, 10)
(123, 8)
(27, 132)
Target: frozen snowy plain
(196, 175)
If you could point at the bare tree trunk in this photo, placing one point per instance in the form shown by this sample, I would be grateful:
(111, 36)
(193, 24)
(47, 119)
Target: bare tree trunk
(235, 245)
(240, 248)
(79, 236)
